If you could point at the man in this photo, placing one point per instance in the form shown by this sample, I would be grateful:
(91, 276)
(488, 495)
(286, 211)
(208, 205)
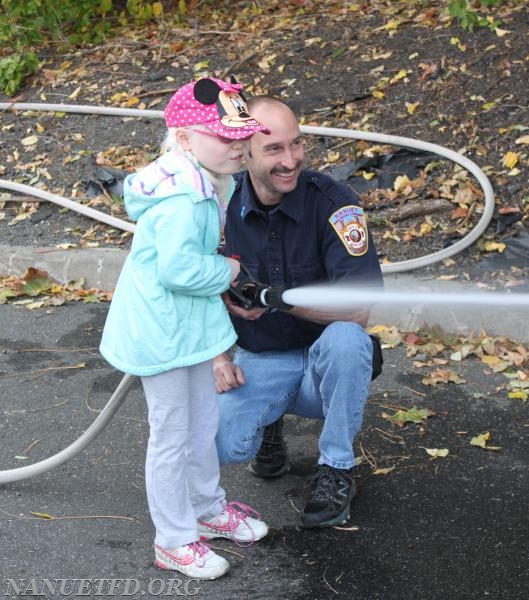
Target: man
(290, 228)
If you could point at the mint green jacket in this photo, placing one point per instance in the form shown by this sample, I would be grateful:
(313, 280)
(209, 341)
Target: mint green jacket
(166, 310)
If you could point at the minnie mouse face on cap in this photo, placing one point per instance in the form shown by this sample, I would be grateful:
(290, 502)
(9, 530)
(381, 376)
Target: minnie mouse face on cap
(216, 104)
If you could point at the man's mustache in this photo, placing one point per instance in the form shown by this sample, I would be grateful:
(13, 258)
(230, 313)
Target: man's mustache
(278, 171)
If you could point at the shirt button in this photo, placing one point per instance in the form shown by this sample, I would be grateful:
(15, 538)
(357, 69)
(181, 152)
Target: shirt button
(274, 235)
(275, 270)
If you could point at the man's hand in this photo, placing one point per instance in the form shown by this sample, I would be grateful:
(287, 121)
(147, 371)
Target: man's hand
(227, 374)
(238, 311)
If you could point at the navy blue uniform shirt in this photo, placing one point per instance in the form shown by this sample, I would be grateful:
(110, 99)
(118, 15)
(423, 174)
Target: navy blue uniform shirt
(316, 233)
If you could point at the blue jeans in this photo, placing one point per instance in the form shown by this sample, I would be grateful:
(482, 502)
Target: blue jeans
(328, 380)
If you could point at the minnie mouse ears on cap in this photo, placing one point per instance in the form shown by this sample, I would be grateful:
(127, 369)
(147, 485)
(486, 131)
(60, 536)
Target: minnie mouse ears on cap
(215, 103)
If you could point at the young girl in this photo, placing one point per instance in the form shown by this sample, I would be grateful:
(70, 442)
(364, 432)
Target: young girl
(167, 321)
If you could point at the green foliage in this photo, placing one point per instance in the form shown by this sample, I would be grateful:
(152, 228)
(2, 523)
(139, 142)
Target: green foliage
(14, 69)
(30, 24)
(35, 22)
(468, 16)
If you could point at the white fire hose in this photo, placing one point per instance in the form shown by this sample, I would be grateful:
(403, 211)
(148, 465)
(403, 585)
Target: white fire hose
(128, 381)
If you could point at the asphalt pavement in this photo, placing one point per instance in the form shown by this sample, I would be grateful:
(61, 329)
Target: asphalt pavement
(421, 528)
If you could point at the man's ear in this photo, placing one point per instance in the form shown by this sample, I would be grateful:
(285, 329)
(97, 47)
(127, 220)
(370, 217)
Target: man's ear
(183, 139)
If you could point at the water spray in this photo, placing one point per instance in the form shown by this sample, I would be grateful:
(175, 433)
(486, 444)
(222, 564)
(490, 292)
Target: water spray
(343, 297)
(250, 293)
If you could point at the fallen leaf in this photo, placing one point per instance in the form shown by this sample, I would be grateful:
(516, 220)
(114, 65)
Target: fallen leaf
(390, 337)
(75, 93)
(420, 364)
(427, 70)
(383, 471)
(492, 246)
(522, 140)
(508, 210)
(482, 440)
(459, 213)
(442, 376)
(495, 363)
(413, 415)
(437, 452)
(455, 41)
(36, 282)
(338, 52)
(510, 159)
(266, 62)
(489, 105)
(412, 338)
(200, 66)
(391, 25)
(30, 140)
(463, 351)
(402, 74)
(401, 182)
(501, 32)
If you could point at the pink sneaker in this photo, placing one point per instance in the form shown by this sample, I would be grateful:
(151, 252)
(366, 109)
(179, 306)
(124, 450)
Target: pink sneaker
(195, 560)
(234, 523)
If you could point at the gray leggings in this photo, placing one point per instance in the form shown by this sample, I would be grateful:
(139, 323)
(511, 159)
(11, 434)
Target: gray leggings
(182, 466)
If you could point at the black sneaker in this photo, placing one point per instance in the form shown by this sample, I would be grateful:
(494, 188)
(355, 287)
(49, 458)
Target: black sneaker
(330, 498)
(271, 460)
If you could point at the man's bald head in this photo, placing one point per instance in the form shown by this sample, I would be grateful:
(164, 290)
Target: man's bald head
(275, 112)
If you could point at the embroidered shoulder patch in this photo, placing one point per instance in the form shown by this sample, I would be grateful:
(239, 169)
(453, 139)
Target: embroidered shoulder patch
(349, 222)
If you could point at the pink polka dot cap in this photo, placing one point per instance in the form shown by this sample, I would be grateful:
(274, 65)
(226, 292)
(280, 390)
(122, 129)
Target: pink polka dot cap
(216, 104)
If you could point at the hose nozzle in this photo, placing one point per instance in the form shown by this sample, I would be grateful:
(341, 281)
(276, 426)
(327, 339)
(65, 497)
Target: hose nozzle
(250, 293)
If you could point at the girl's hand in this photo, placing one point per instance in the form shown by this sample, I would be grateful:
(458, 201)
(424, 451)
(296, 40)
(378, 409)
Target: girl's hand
(227, 375)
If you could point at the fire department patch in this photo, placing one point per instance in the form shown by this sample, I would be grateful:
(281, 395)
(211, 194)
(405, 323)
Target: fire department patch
(349, 222)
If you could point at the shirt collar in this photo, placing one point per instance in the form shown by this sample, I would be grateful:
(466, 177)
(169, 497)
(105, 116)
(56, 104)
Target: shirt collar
(292, 203)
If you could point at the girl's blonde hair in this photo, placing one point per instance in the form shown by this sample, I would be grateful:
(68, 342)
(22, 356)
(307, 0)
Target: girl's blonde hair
(171, 143)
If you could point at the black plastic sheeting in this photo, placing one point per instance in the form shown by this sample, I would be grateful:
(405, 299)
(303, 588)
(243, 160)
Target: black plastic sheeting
(516, 254)
(387, 167)
(107, 180)
(504, 221)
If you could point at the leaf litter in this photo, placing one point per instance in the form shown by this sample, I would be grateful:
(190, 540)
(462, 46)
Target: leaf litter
(420, 76)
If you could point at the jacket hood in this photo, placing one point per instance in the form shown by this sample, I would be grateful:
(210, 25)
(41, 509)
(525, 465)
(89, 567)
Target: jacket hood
(172, 174)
